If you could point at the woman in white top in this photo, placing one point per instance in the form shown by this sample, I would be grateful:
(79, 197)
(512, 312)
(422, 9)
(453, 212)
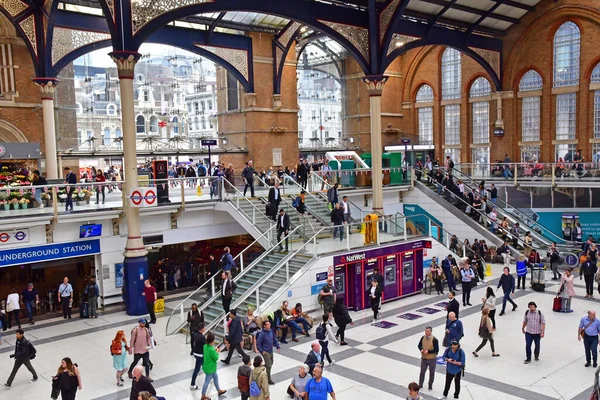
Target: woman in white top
(13, 307)
(325, 342)
(489, 302)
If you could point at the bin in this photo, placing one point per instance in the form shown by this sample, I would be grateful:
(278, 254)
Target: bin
(371, 228)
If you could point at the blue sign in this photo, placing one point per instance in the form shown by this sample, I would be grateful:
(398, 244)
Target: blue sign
(443, 304)
(439, 360)
(384, 324)
(427, 263)
(316, 289)
(428, 310)
(409, 316)
(119, 274)
(57, 251)
(322, 276)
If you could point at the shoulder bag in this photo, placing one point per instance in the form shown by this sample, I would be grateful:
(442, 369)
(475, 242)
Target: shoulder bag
(582, 333)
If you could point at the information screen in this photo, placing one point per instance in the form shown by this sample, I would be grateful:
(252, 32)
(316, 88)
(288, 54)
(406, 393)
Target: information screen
(87, 231)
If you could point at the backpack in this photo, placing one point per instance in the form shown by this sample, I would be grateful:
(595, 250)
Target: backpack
(32, 351)
(254, 389)
(321, 332)
(296, 202)
(244, 383)
(201, 170)
(116, 348)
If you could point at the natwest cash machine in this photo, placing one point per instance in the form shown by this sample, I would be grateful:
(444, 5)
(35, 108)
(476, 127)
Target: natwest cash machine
(401, 266)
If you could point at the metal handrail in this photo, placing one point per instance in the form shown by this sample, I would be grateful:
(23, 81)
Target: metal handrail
(324, 195)
(310, 194)
(237, 277)
(212, 279)
(517, 216)
(225, 181)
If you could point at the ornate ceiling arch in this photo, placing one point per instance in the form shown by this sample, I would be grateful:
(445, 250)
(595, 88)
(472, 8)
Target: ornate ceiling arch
(10, 133)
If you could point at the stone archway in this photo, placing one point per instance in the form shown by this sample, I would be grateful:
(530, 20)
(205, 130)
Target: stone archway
(10, 133)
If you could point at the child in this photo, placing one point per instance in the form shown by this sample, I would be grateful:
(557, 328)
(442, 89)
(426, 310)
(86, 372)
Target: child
(243, 376)
(413, 392)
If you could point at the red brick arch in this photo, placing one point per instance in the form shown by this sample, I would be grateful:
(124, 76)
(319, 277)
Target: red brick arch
(472, 79)
(523, 71)
(416, 87)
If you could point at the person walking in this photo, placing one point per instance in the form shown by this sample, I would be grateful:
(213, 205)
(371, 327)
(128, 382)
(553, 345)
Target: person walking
(198, 351)
(211, 356)
(313, 358)
(377, 277)
(283, 228)
(332, 195)
(454, 330)
(567, 290)
(70, 179)
(68, 379)
(318, 387)
(265, 342)
(507, 282)
(486, 332)
(227, 261)
(337, 219)
(30, 299)
(235, 337)
(437, 275)
(259, 376)
(447, 268)
(297, 388)
(521, 271)
(489, 302)
(13, 308)
(453, 305)
(93, 292)
(194, 318)
(534, 328)
(150, 295)
(243, 377)
(554, 257)
(455, 362)
(429, 348)
(324, 334)
(342, 319)
(329, 296)
(38, 182)
(375, 299)
(100, 178)
(119, 350)
(274, 200)
(467, 275)
(347, 213)
(248, 176)
(140, 343)
(140, 384)
(227, 290)
(65, 297)
(587, 271)
(589, 329)
(413, 392)
(22, 355)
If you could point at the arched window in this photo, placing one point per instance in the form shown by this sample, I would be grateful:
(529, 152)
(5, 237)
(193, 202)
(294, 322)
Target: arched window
(530, 85)
(425, 114)
(175, 122)
(140, 123)
(210, 105)
(481, 124)
(111, 109)
(451, 74)
(106, 137)
(153, 125)
(595, 79)
(118, 133)
(425, 94)
(566, 55)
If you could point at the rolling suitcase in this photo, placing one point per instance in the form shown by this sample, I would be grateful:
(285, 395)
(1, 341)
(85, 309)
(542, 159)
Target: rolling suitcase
(556, 306)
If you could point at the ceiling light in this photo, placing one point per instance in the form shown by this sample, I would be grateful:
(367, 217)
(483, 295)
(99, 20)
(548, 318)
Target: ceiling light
(399, 44)
(303, 29)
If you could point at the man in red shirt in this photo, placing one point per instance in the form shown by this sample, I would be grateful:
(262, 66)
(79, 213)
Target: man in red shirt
(150, 295)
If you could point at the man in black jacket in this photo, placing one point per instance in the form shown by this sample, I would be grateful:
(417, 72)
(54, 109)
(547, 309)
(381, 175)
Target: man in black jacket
(588, 271)
(140, 383)
(22, 357)
(70, 179)
(507, 281)
(274, 200)
(303, 170)
(248, 174)
(235, 336)
(313, 358)
(227, 290)
(198, 351)
(377, 276)
(453, 304)
(283, 227)
(337, 218)
(195, 318)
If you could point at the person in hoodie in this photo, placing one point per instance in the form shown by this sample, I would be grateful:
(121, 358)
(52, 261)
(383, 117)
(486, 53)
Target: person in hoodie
(259, 375)
(325, 342)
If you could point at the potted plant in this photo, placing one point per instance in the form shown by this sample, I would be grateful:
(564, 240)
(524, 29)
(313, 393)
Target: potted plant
(14, 203)
(47, 199)
(62, 195)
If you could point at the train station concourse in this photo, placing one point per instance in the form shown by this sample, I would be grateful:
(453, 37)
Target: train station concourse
(390, 198)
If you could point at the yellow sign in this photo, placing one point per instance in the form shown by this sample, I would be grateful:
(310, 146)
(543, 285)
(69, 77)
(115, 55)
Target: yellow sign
(488, 270)
(159, 306)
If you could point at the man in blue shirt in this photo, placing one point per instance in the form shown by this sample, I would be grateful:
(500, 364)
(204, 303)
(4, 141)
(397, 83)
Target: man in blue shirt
(265, 341)
(30, 298)
(454, 329)
(589, 328)
(455, 361)
(447, 268)
(227, 261)
(318, 387)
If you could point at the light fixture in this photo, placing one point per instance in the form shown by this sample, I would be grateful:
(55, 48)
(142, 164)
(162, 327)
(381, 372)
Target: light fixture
(303, 29)
(399, 44)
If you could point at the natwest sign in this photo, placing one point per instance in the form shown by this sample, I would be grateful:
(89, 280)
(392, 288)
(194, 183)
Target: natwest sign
(355, 257)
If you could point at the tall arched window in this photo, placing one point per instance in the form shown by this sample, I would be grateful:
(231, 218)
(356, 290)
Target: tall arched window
(106, 137)
(595, 81)
(175, 122)
(451, 90)
(566, 74)
(530, 93)
(118, 133)
(140, 124)
(424, 105)
(566, 55)
(153, 125)
(479, 94)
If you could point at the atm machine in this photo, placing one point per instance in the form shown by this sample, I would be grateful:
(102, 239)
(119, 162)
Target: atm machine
(400, 265)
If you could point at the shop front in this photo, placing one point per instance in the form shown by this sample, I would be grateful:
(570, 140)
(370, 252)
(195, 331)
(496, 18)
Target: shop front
(45, 266)
(400, 265)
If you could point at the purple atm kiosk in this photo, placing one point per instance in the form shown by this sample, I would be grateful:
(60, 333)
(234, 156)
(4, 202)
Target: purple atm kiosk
(401, 266)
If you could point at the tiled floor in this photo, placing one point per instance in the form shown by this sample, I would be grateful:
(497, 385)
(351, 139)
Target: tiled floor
(378, 363)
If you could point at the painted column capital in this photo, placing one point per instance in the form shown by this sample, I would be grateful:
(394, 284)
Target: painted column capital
(375, 84)
(47, 86)
(126, 61)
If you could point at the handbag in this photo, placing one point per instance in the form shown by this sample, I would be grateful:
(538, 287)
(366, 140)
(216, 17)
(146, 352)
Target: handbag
(582, 333)
(10, 307)
(55, 388)
(445, 340)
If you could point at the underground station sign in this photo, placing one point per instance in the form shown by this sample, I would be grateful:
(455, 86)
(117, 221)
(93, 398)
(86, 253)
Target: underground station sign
(143, 197)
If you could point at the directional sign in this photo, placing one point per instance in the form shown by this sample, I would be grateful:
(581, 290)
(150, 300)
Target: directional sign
(405, 141)
(143, 197)
(209, 142)
(14, 236)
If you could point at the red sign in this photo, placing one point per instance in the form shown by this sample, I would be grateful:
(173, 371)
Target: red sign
(162, 124)
(150, 197)
(136, 198)
(321, 128)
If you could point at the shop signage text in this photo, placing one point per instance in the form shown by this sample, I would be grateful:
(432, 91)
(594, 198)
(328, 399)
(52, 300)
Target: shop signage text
(50, 252)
